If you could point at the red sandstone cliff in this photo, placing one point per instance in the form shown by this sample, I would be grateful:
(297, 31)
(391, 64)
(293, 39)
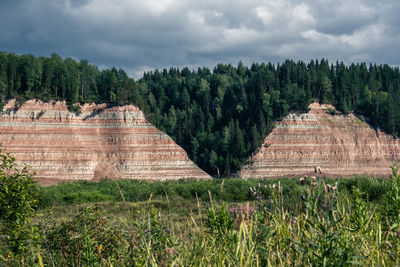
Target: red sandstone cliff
(116, 142)
(341, 145)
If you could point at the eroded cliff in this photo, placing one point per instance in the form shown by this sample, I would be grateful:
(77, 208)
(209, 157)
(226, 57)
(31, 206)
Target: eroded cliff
(341, 145)
(117, 142)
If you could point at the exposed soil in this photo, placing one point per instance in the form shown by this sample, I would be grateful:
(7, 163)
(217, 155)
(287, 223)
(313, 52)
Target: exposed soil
(340, 145)
(114, 142)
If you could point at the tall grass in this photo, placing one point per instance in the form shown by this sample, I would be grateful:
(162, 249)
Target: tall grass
(268, 223)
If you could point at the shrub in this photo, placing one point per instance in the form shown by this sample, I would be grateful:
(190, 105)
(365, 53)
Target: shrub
(75, 108)
(219, 226)
(18, 201)
(40, 114)
(392, 197)
(89, 239)
(331, 111)
(151, 243)
(374, 188)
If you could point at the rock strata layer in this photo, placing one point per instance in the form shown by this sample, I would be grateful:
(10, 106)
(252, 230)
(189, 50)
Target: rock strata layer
(335, 145)
(114, 142)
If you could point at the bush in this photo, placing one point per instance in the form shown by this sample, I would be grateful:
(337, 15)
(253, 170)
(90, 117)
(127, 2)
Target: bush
(18, 201)
(75, 108)
(392, 197)
(89, 239)
(332, 111)
(374, 188)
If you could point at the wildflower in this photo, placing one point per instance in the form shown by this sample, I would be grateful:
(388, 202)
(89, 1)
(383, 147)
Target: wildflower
(303, 180)
(332, 188)
(318, 169)
(5, 237)
(325, 189)
(232, 210)
(99, 249)
(325, 206)
(169, 251)
(271, 201)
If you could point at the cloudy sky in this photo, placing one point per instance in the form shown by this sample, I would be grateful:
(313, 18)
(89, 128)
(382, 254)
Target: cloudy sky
(143, 35)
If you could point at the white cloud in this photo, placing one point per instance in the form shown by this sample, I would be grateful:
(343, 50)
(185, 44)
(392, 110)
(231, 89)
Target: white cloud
(301, 16)
(373, 35)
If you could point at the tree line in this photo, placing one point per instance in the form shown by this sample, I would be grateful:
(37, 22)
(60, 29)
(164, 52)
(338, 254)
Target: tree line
(220, 116)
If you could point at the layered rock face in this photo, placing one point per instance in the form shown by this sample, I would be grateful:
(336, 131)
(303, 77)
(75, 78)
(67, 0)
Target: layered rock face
(340, 145)
(114, 142)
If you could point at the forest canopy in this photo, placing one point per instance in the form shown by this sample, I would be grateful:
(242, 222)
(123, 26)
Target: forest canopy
(220, 116)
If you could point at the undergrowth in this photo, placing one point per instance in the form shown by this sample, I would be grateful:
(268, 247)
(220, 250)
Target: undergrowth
(312, 222)
(228, 190)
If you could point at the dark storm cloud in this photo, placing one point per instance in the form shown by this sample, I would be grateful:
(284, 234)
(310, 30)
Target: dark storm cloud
(142, 35)
(343, 17)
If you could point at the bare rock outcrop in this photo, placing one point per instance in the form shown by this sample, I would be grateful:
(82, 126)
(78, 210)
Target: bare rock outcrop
(114, 142)
(331, 145)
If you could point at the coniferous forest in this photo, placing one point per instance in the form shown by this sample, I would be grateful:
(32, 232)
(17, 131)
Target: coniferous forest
(218, 116)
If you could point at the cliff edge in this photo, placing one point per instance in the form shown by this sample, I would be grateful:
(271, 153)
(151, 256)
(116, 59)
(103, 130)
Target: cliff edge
(317, 141)
(114, 142)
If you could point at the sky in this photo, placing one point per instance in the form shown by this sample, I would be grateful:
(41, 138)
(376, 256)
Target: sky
(139, 36)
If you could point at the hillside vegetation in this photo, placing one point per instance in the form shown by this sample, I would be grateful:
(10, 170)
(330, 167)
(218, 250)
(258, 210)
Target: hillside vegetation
(218, 116)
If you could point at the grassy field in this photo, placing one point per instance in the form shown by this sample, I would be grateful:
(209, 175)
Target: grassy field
(228, 222)
(228, 190)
